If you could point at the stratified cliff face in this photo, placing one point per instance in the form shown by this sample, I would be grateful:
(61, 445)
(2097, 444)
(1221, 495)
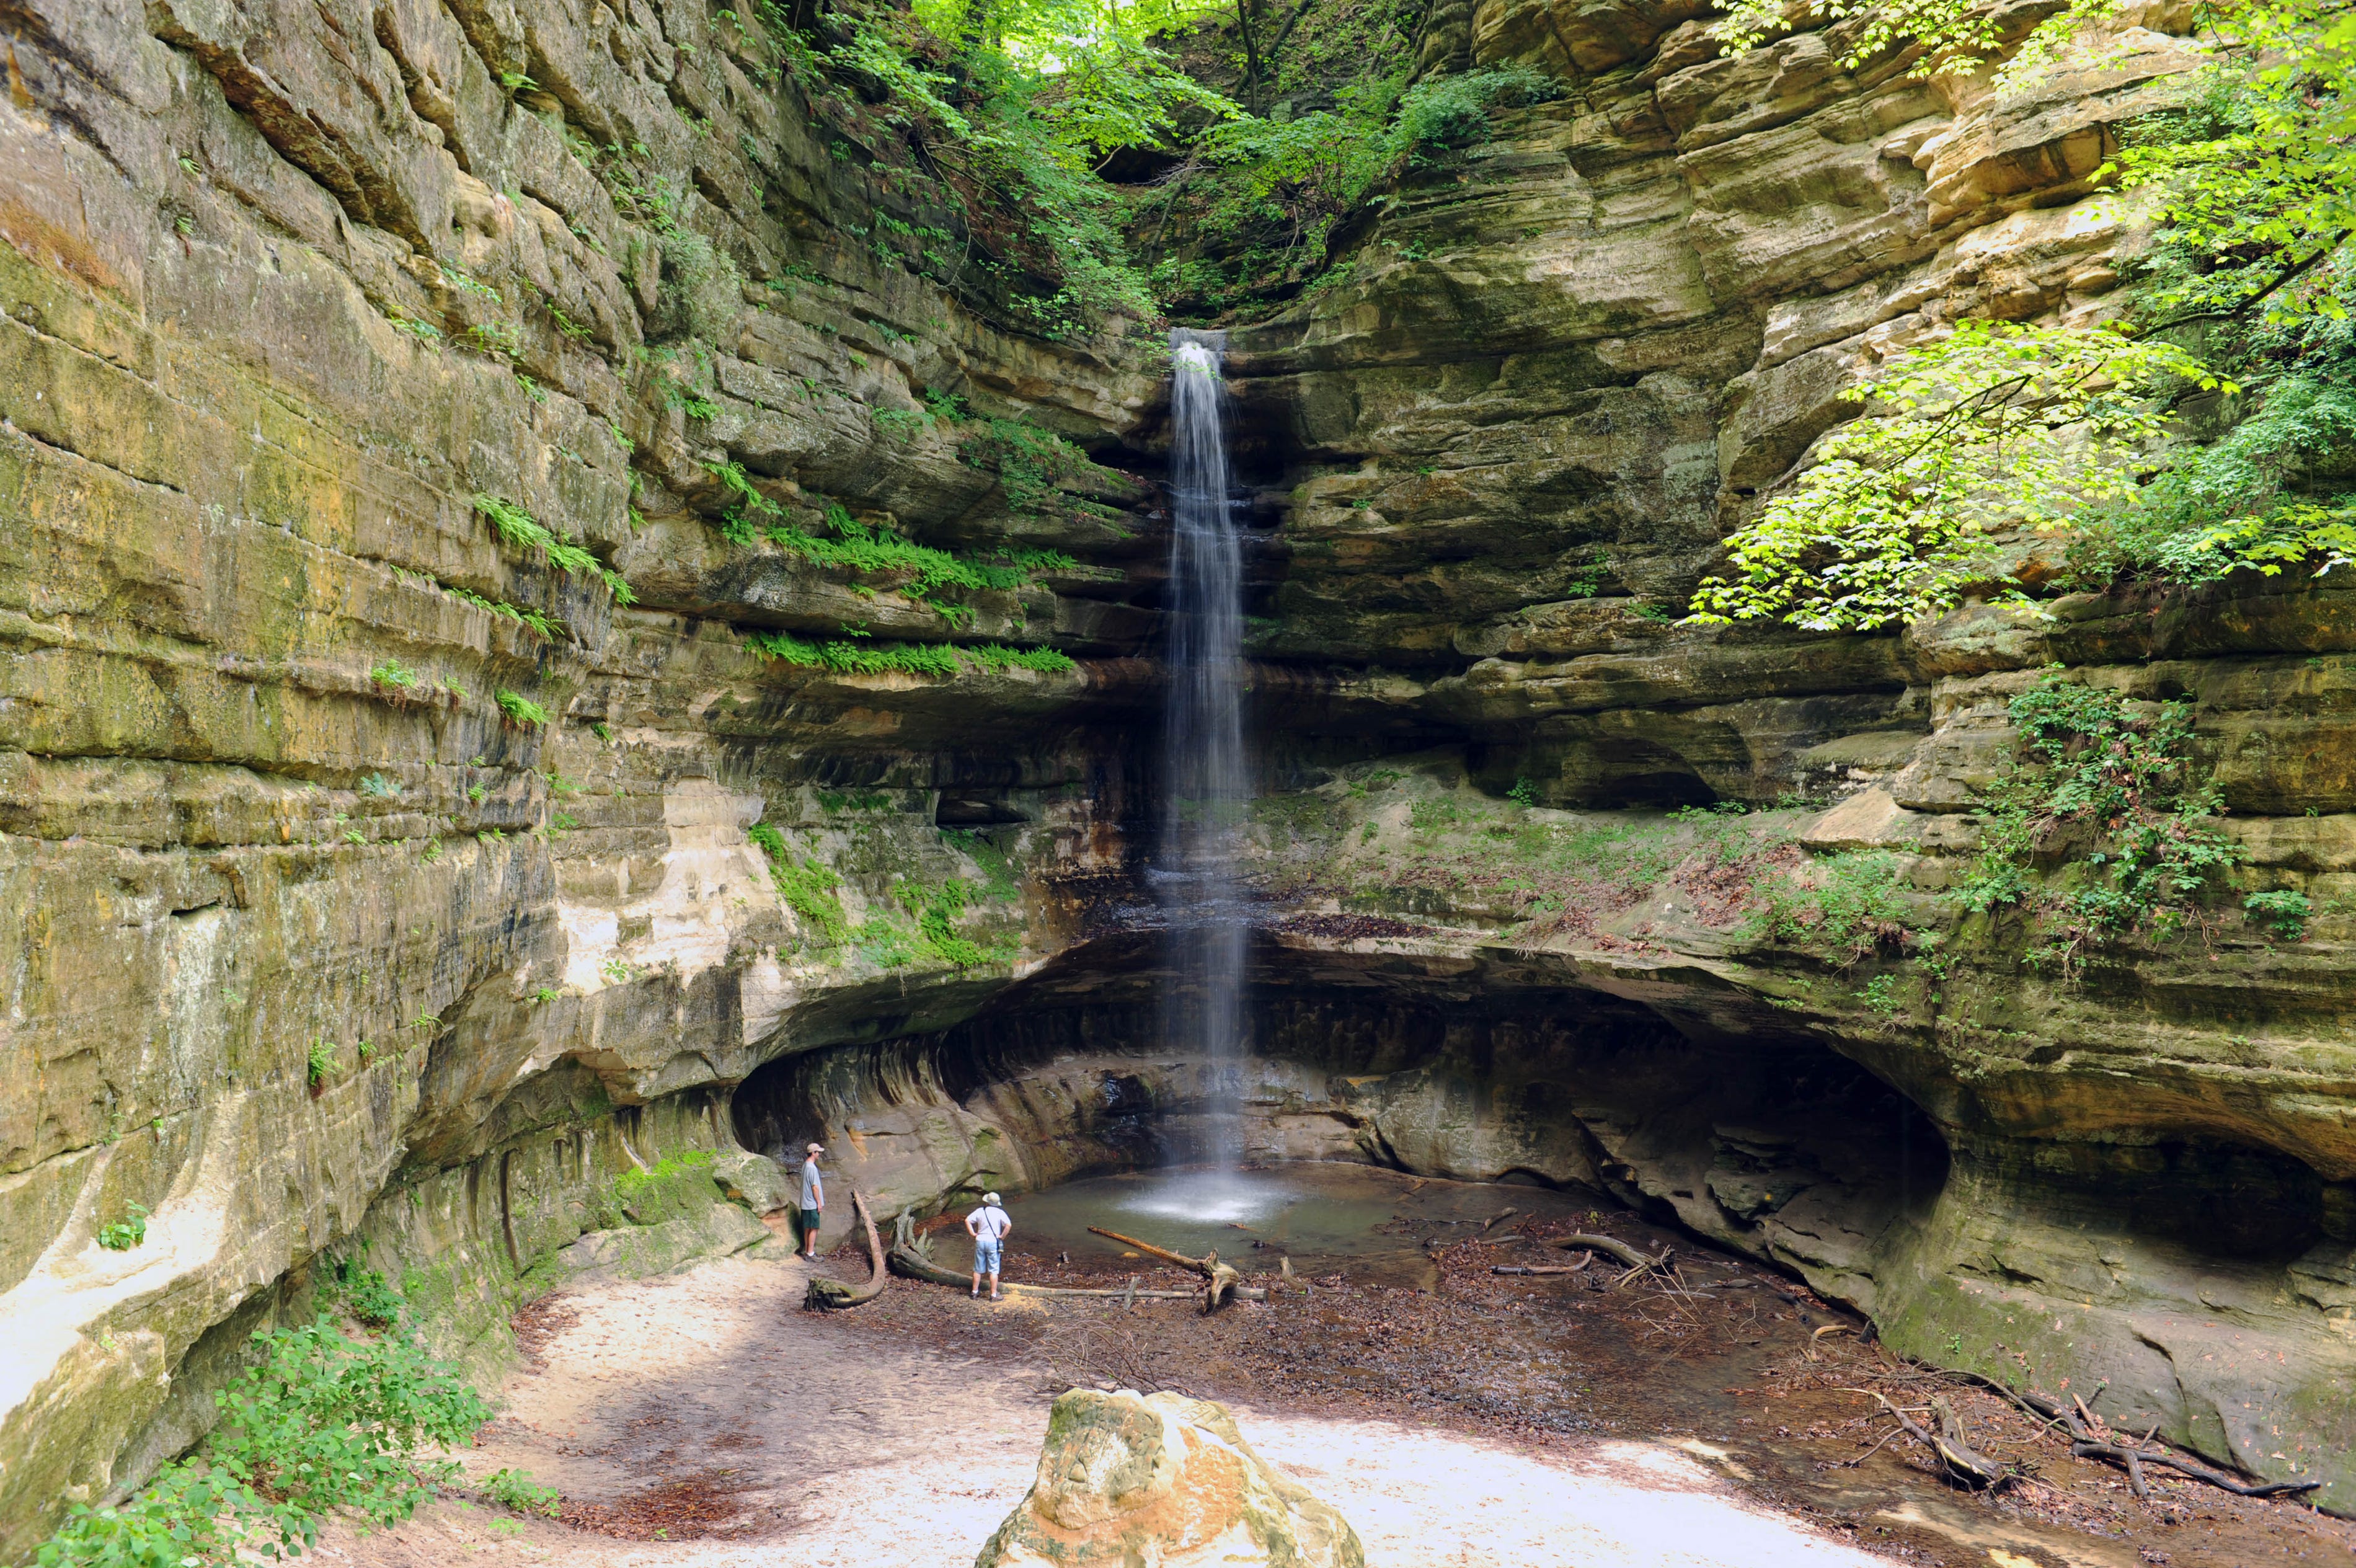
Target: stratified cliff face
(318, 941)
(311, 938)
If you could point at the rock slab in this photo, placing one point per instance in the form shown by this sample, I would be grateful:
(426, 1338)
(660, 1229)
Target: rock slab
(1128, 1479)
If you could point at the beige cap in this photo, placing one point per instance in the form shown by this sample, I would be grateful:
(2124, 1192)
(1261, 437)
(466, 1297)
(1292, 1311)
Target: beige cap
(817, 1148)
(989, 1197)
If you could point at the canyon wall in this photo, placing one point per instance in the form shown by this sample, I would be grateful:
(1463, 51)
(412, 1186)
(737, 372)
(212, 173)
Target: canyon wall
(298, 304)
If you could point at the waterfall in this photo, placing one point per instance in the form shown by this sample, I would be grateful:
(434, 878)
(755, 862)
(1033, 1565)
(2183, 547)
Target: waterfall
(1206, 775)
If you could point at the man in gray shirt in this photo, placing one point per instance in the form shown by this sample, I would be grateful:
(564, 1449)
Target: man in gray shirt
(813, 1199)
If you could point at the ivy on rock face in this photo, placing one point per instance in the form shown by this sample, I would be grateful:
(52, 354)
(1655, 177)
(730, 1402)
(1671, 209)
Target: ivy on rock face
(2114, 783)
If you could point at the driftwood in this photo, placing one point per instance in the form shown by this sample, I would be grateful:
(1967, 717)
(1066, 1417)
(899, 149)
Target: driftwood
(826, 1294)
(1961, 1461)
(1610, 1247)
(1198, 1266)
(1221, 1282)
(2088, 1440)
(907, 1263)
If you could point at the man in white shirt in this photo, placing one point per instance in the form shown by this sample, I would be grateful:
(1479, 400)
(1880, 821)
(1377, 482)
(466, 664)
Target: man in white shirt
(987, 1226)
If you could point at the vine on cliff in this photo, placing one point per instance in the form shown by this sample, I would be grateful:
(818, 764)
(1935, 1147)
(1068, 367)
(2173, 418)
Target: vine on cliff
(2108, 789)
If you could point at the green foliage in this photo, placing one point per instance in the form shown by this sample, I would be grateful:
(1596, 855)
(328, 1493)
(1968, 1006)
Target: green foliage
(935, 659)
(703, 291)
(1955, 34)
(323, 1423)
(537, 622)
(2255, 169)
(2229, 505)
(1845, 906)
(929, 934)
(1998, 422)
(519, 529)
(997, 868)
(1443, 115)
(521, 710)
(328, 1423)
(1880, 995)
(378, 785)
(1523, 793)
(1032, 465)
(2110, 788)
(807, 888)
(543, 994)
(319, 1061)
(2282, 911)
(516, 1491)
(392, 673)
(1274, 188)
(362, 1290)
(126, 1233)
(924, 572)
(188, 1516)
(1023, 98)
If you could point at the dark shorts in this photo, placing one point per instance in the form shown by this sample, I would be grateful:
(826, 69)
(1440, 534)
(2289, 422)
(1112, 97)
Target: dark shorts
(810, 1224)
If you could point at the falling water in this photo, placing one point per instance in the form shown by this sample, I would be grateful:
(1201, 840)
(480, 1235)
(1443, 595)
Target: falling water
(1206, 776)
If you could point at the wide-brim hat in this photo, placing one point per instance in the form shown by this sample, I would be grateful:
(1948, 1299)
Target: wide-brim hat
(989, 1197)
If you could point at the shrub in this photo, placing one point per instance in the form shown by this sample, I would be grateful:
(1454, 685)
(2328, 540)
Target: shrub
(398, 676)
(319, 1062)
(2283, 912)
(328, 1422)
(323, 1423)
(188, 1516)
(2118, 782)
(522, 711)
(126, 1233)
(363, 1292)
(515, 1490)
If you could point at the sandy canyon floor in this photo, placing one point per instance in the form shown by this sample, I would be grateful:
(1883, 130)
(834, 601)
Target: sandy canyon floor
(1459, 1420)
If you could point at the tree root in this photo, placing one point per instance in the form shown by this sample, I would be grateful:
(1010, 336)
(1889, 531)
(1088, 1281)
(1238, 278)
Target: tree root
(1637, 1263)
(829, 1296)
(2087, 1441)
(1960, 1460)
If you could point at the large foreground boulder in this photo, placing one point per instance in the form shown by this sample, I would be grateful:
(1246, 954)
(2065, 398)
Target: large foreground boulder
(1162, 1481)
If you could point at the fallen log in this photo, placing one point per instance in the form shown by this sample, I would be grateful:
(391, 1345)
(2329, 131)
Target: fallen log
(909, 1264)
(1221, 1282)
(825, 1294)
(1629, 1257)
(1198, 1266)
